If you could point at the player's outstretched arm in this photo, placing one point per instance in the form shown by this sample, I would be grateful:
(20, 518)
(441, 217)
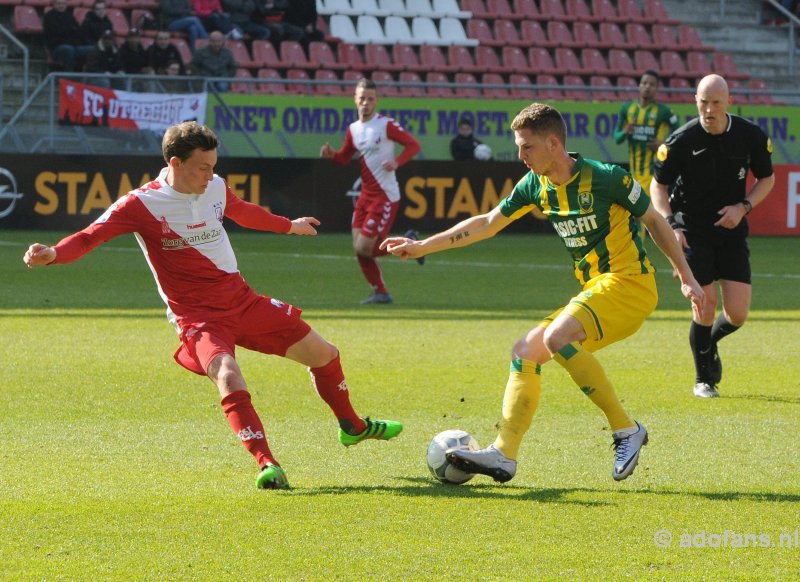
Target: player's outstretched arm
(304, 225)
(661, 232)
(466, 232)
(39, 254)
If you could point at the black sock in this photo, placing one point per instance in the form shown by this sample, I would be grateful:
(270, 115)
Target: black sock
(700, 342)
(721, 328)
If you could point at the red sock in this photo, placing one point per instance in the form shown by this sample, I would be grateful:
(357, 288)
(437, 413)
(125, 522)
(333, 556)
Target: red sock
(372, 273)
(245, 423)
(332, 388)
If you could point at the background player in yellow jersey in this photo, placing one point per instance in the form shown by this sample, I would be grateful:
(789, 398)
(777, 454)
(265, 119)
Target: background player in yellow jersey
(645, 124)
(593, 208)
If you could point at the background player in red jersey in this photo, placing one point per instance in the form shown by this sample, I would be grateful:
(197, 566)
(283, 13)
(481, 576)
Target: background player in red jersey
(373, 136)
(177, 220)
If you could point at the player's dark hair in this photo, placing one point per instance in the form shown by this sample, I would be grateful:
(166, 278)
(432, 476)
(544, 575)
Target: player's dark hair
(364, 83)
(651, 73)
(541, 119)
(182, 139)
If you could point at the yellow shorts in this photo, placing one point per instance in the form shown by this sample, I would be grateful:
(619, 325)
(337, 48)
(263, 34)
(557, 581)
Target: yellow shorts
(611, 307)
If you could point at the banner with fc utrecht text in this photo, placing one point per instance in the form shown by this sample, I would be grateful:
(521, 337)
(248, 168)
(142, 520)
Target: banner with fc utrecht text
(69, 192)
(80, 104)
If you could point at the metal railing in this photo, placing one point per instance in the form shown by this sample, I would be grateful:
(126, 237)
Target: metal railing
(26, 60)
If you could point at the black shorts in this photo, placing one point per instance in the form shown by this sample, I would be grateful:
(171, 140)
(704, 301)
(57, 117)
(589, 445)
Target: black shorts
(725, 258)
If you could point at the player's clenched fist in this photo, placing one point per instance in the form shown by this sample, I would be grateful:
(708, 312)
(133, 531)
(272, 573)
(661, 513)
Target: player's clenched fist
(39, 254)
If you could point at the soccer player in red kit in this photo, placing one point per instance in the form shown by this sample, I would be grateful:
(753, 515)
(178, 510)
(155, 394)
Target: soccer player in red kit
(177, 221)
(374, 136)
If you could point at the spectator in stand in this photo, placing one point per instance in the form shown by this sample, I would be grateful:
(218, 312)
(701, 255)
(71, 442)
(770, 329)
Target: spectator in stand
(214, 60)
(134, 56)
(178, 17)
(214, 18)
(273, 13)
(462, 146)
(303, 14)
(241, 13)
(62, 36)
(104, 58)
(173, 84)
(95, 23)
(162, 52)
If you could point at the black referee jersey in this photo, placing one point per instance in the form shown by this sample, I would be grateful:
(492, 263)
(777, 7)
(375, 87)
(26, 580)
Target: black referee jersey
(710, 171)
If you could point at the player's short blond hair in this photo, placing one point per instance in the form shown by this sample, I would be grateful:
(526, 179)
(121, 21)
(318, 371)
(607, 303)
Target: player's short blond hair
(182, 139)
(541, 119)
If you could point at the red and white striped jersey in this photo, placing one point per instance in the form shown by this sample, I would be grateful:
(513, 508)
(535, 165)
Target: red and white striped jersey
(375, 141)
(184, 242)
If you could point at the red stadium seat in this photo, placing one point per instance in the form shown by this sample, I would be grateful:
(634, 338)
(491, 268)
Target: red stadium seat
(552, 94)
(724, 65)
(656, 13)
(553, 10)
(567, 61)
(526, 9)
(672, 65)
(579, 93)
(627, 88)
(533, 34)
(487, 60)
(321, 54)
(541, 61)
(298, 75)
(585, 35)
(558, 32)
(611, 35)
(520, 87)
(620, 63)
(270, 88)
(759, 98)
(403, 55)
(494, 92)
(602, 82)
(698, 64)
(644, 60)
(604, 11)
(119, 21)
(242, 88)
(462, 59)
(183, 49)
(377, 56)
(241, 54)
(351, 56)
(434, 77)
(467, 92)
(27, 21)
(578, 9)
(385, 80)
(690, 40)
(506, 33)
(139, 17)
(293, 55)
(499, 9)
(593, 62)
(416, 90)
(629, 11)
(514, 60)
(264, 55)
(477, 7)
(665, 39)
(637, 36)
(328, 90)
(479, 29)
(431, 58)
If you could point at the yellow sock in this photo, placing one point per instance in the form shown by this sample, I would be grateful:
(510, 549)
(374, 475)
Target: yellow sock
(588, 374)
(519, 405)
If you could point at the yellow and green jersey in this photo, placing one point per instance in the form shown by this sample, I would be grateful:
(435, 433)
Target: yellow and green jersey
(653, 122)
(593, 213)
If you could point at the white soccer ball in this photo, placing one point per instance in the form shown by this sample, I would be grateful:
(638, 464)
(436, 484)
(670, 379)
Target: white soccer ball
(482, 152)
(440, 467)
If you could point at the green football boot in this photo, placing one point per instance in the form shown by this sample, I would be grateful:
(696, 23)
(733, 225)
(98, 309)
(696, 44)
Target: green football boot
(272, 477)
(382, 430)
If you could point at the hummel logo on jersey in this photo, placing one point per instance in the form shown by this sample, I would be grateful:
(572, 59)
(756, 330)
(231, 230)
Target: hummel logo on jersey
(698, 152)
(343, 386)
(742, 173)
(248, 434)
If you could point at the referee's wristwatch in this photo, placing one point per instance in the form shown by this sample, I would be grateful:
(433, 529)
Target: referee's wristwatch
(748, 207)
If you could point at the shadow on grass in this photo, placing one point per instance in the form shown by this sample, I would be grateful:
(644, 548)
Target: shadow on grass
(427, 487)
(766, 398)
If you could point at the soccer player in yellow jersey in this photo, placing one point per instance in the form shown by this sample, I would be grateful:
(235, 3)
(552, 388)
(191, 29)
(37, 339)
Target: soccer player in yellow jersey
(593, 207)
(645, 124)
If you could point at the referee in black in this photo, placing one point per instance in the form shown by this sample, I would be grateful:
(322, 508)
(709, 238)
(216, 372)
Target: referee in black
(699, 186)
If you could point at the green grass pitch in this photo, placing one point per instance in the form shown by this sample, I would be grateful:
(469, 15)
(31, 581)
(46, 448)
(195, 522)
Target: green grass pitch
(116, 464)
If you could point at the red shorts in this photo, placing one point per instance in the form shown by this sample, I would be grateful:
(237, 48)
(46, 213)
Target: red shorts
(374, 217)
(264, 325)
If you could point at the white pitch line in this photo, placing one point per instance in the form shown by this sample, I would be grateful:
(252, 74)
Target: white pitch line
(466, 264)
